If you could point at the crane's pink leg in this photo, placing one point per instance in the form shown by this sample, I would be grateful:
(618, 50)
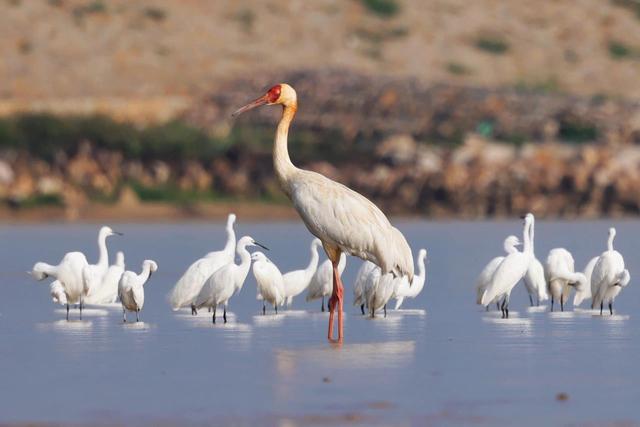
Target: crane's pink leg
(336, 299)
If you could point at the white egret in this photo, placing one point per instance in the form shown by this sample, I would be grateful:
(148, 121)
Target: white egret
(269, 281)
(188, 287)
(560, 275)
(585, 292)
(534, 280)
(107, 292)
(57, 293)
(295, 282)
(93, 273)
(344, 220)
(69, 273)
(321, 284)
(367, 275)
(510, 271)
(609, 276)
(227, 280)
(486, 274)
(411, 291)
(131, 288)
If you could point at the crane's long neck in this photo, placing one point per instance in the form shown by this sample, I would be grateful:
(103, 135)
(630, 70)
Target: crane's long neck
(313, 263)
(231, 240)
(103, 259)
(281, 160)
(243, 267)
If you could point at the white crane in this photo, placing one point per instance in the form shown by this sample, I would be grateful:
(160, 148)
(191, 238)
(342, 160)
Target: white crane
(93, 273)
(68, 273)
(295, 282)
(411, 291)
(609, 276)
(344, 220)
(321, 284)
(510, 271)
(131, 288)
(227, 280)
(486, 274)
(561, 276)
(585, 292)
(188, 287)
(107, 292)
(269, 281)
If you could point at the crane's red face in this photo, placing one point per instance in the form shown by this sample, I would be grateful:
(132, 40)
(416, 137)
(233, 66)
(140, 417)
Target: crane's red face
(271, 97)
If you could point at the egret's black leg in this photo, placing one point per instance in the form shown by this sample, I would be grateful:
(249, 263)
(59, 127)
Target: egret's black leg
(224, 314)
(601, 307)
(80, 308)
(214, 313)
(502, 308)
(194, 311)
(385, 310)
(562, 302)
(611, 308)
(137, 315)
(362, 308)
(531, 300)
(264, 308)
(487, 308)
(322, 306)
(67, 311)
(552, 303)
(124, 315)
(275, 306)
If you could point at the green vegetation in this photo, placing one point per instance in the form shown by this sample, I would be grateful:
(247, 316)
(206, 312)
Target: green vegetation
(373, 39)
(492, 44)
(246, 18)
(39, 201)
(620, 50)
(458, 69)
(576, 131)
(93, 7)
(382, 8)
(155, 14)
(632, 5)
(547, 86)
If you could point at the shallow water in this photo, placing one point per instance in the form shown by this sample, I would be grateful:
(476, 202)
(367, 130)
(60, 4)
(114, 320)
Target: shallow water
(440, 361)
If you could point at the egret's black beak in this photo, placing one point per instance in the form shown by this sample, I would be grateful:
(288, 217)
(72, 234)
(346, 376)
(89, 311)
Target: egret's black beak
(261, 245)
(118, 233)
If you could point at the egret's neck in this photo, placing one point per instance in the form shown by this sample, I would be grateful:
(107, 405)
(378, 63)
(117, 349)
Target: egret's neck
(526, 247)
(610, 241)
(421, 269)
(313, 263)
(103, 259)
(146, 272)
(531, 232)
(243, 267)
(231, 240)
(281, 160)
(42, 268)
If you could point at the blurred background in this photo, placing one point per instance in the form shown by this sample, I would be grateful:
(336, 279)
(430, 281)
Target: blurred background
(438, 108)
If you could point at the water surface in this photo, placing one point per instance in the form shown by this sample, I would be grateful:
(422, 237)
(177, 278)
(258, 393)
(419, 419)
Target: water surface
(439, 361)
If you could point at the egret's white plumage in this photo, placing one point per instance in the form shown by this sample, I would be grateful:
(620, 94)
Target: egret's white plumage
(510, 271)
(321, 284)
(227, 280)
(107, 292)
(585, 292)
(342, 219)
(69, 273)
(406, 290)
(560, 275)
(57, 293)
(367, 275)
(609, 276)
(486, 274)
(295, 282)
(131, 288)
(93, 274)
(188, 287)
(269, 281)
(534, 280)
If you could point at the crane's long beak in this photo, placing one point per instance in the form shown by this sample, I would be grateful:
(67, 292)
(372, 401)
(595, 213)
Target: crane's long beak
(250, 106)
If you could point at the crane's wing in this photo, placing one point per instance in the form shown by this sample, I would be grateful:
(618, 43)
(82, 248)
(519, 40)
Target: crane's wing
(342, 218)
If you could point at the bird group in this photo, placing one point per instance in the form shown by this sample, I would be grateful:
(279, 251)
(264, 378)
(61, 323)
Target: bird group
(602, 279)
(78, 282)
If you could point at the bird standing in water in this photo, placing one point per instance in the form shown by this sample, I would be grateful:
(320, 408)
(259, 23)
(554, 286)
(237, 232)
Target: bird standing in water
(344, 220)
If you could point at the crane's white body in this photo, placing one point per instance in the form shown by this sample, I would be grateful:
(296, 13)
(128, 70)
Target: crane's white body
(585, 292)
(321, 284)
(269, 280)
(609, 276)
(68, 273)
(131, 288)
(189, 286)
(227, 280)
(107, 292)
(510, 271)
(93, 274)
(561, 276)
(57, 293)
(487, 272)
(405, 290)
(295, 282)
